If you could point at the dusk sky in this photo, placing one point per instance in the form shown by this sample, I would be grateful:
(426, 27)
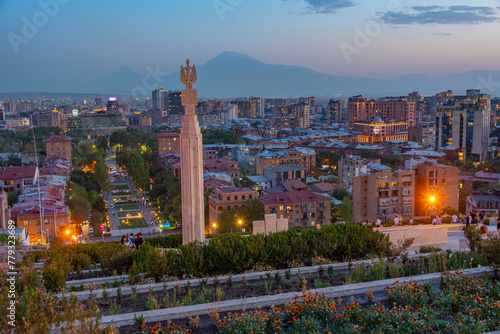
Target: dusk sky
(85, 40)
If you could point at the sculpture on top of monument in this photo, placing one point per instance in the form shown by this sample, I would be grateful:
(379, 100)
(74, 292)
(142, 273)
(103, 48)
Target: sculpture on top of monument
(188, 75)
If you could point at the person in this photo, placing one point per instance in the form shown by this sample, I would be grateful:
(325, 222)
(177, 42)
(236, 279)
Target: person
(126, 242)
(411, 221)
(484, 232)
(474, 218)
(439, 220)
(131, 239)
(481, 217)
(454, 219)
(468, 219)
(139, 240)
(378, 222)
(434, 221)
(396, 221)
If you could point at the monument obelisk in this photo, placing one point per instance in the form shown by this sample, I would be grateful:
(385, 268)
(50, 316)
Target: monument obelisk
(193, 207)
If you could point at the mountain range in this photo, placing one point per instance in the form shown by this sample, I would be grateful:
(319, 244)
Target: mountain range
(232, 74)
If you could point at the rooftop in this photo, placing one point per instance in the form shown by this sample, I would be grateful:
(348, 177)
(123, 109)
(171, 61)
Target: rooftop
(293, 197)
(17, 172)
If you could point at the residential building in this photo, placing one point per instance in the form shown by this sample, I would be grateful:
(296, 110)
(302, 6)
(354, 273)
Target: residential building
(280, 174)
(168, 142)
(464, 123)
(389, 109)
(301, 208)
(383, 195)
(226, 198)
(297, 115)
(159, 99)
(335, 110)
(260, 182)
(58, 145)
(423, 133)
(351, 166)
(485, 202)
(298, 156)
(17, 178)
(436, 188)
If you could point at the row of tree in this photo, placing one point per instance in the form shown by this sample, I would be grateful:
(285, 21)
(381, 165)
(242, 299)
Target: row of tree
(137, 168)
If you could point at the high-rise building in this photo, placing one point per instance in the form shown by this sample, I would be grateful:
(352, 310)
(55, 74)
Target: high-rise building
(464, 122)
(335, 110)
(175, 106)
(160, 99)
(301, 111)
(98, 101)
(423, 133)
(259, 106)
(389, 110)
(246, 109)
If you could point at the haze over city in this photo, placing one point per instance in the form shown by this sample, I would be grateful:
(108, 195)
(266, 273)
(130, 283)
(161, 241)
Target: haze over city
(77, 43)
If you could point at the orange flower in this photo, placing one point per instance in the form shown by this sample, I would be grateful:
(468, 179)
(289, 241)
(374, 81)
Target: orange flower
(295, 319)
(276, 326)
(360, 319)
(348, 308)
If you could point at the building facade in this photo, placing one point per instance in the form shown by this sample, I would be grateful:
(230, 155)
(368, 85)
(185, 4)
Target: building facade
(227, 198)
(167, 142)
(390, 110)
(58, 145)
(301, 208)
(383, 195)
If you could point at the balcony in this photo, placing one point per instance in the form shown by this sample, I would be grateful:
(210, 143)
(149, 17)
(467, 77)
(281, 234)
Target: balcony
(321, 208)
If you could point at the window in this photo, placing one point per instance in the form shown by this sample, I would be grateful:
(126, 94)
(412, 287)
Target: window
(235, 198)
(281, 207)
(250, 196)
(444, 171)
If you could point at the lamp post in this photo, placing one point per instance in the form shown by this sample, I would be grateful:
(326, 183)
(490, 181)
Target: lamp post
(214, 225)
(68, 232)
(241, 226)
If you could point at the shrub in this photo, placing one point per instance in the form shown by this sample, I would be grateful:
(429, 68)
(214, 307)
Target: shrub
(55, 271)
(473, 236)
(429, 249)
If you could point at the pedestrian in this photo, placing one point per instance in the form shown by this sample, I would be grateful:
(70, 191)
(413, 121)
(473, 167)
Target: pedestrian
(378, 222)
(411, 221)
(139, 240)
(434, 221)
(131, 239)
(396, 221)
(439, 220)
(468, 219)
(481, 217)
(126, 242)
(454, 219)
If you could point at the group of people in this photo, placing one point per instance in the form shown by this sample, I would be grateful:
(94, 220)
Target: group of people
(471, 218)
(131, 242)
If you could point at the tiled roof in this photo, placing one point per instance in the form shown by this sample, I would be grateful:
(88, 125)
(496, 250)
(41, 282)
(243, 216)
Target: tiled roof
(293, 197)
(17, 172)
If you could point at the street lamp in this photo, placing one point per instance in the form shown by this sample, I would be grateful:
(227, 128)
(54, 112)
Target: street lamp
(214, 226)
(241, 226)
(432, 199)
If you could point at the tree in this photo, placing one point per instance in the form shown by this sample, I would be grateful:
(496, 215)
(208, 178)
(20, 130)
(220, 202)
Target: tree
(479, 185)
(12, 197)
(102, 143)
(228, 221)
(340, 194)
(101, 174)
(252, 210)
(78, 203)
(219, 136)
(346, 210)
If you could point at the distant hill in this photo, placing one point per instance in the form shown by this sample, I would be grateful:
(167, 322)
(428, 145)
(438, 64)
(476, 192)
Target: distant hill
(232, 74)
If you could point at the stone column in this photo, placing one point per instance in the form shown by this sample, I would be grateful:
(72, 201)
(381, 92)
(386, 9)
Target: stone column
(193, 208)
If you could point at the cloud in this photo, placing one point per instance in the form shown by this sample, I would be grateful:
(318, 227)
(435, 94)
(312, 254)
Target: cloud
(327, 6)
(441, 15)
(442, 34)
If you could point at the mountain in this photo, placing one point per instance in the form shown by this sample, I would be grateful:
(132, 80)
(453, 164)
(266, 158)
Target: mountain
(122, 81)
(232, 74)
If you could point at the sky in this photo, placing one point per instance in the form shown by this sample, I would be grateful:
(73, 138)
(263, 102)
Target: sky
(51, 44)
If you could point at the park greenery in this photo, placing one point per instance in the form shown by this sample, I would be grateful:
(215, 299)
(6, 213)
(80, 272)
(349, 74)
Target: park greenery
(137, 168)
(22, 141)
(220, 137)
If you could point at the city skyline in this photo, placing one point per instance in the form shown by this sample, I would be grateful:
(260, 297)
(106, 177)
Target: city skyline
(82, 42)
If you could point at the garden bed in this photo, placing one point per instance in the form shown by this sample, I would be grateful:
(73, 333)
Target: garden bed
(125, 214)
(366, 293)
(120, 187)
(127, 223)
(126, 207)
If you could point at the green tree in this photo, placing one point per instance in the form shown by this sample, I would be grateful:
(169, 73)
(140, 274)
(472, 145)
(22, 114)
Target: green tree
(102, 143)
(252, 210)
(78, 203)
(12, 197)
(228, 221)
(346, 209)
(101, 174)
(340, 194)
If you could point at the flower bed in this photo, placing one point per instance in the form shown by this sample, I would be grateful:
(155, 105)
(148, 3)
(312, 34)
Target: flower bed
(120, 187)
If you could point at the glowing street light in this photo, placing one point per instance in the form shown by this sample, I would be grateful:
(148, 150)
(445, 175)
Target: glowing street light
(241, 226)
(432, 199)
